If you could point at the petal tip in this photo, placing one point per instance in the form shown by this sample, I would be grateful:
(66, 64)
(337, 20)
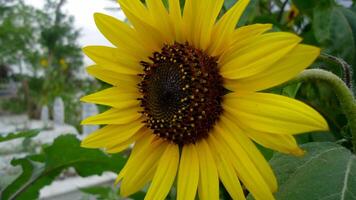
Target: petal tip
(84, 122)
(98, 15)
(85, 98)
(325, 126)
(124, 192)
(90, 50)
(85, 49)
(117, 180)
(86, 144)
(298, 152)
(91, 69)
(322, 124)
(89, 120)
(89, 143)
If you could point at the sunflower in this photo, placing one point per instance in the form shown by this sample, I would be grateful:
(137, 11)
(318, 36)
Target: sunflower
(186, 92)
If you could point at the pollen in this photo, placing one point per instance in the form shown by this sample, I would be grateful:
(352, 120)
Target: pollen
(182, 93)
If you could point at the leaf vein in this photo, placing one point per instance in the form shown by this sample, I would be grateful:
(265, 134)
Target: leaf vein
(346, 178)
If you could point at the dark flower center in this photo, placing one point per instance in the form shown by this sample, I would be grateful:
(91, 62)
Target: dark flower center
(182, 93)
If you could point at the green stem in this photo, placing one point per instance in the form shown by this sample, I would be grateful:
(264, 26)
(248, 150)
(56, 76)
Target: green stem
(346, 68)
(343, 93)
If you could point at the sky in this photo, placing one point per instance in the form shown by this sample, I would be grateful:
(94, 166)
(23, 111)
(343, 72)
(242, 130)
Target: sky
(83, 11)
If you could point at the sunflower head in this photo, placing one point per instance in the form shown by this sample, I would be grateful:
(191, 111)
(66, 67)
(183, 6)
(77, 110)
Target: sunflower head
(186, 92)
(182, 92)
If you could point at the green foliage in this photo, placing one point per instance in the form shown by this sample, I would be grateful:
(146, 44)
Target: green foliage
(19, 25)
(327, 171)
(44, 43)
(24, 134)
(333, 28)
(41, 169)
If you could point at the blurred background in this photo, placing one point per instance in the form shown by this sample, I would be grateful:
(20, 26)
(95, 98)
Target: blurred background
(42, 77)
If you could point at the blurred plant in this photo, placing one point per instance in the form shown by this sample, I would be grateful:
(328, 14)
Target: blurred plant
(12, 136)
(41, 169)
(63, 54)
(43, 46)
(19, 25)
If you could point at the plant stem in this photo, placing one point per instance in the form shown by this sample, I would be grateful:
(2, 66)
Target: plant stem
(343, 93)
(280, 14)
(346, 68)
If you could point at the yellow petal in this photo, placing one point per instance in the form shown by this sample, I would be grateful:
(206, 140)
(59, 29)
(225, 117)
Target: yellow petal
(112, 77)
(188, 175)
(165, 174)
(251, 150)
(283, 70)
(281, 143)
(116, 97)
(176, 20)
(226, 172)
(208, 188)
(161, 18)
(115, 148)
(248, 32)
(151, 38)
(259, 55)
(111, 135)
(242, 37)
(140, 146)
(135, 176)
(273, 113)
(114, 116)
(245, 168)
(113, 59)
(199, 17)
(188, 19)
(139, 8)
(224, 29)
(118, 33)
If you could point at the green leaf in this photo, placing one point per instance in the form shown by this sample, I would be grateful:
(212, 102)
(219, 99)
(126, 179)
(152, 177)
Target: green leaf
(26, 134)
(304, 6)
(229, 3)
(30, 171)
(343, 38)
(66, 151)
(350, 15)
(40, 170)
(322, 24)
(308, 6)
(335, 29)
(327, 171)
(138, 195)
